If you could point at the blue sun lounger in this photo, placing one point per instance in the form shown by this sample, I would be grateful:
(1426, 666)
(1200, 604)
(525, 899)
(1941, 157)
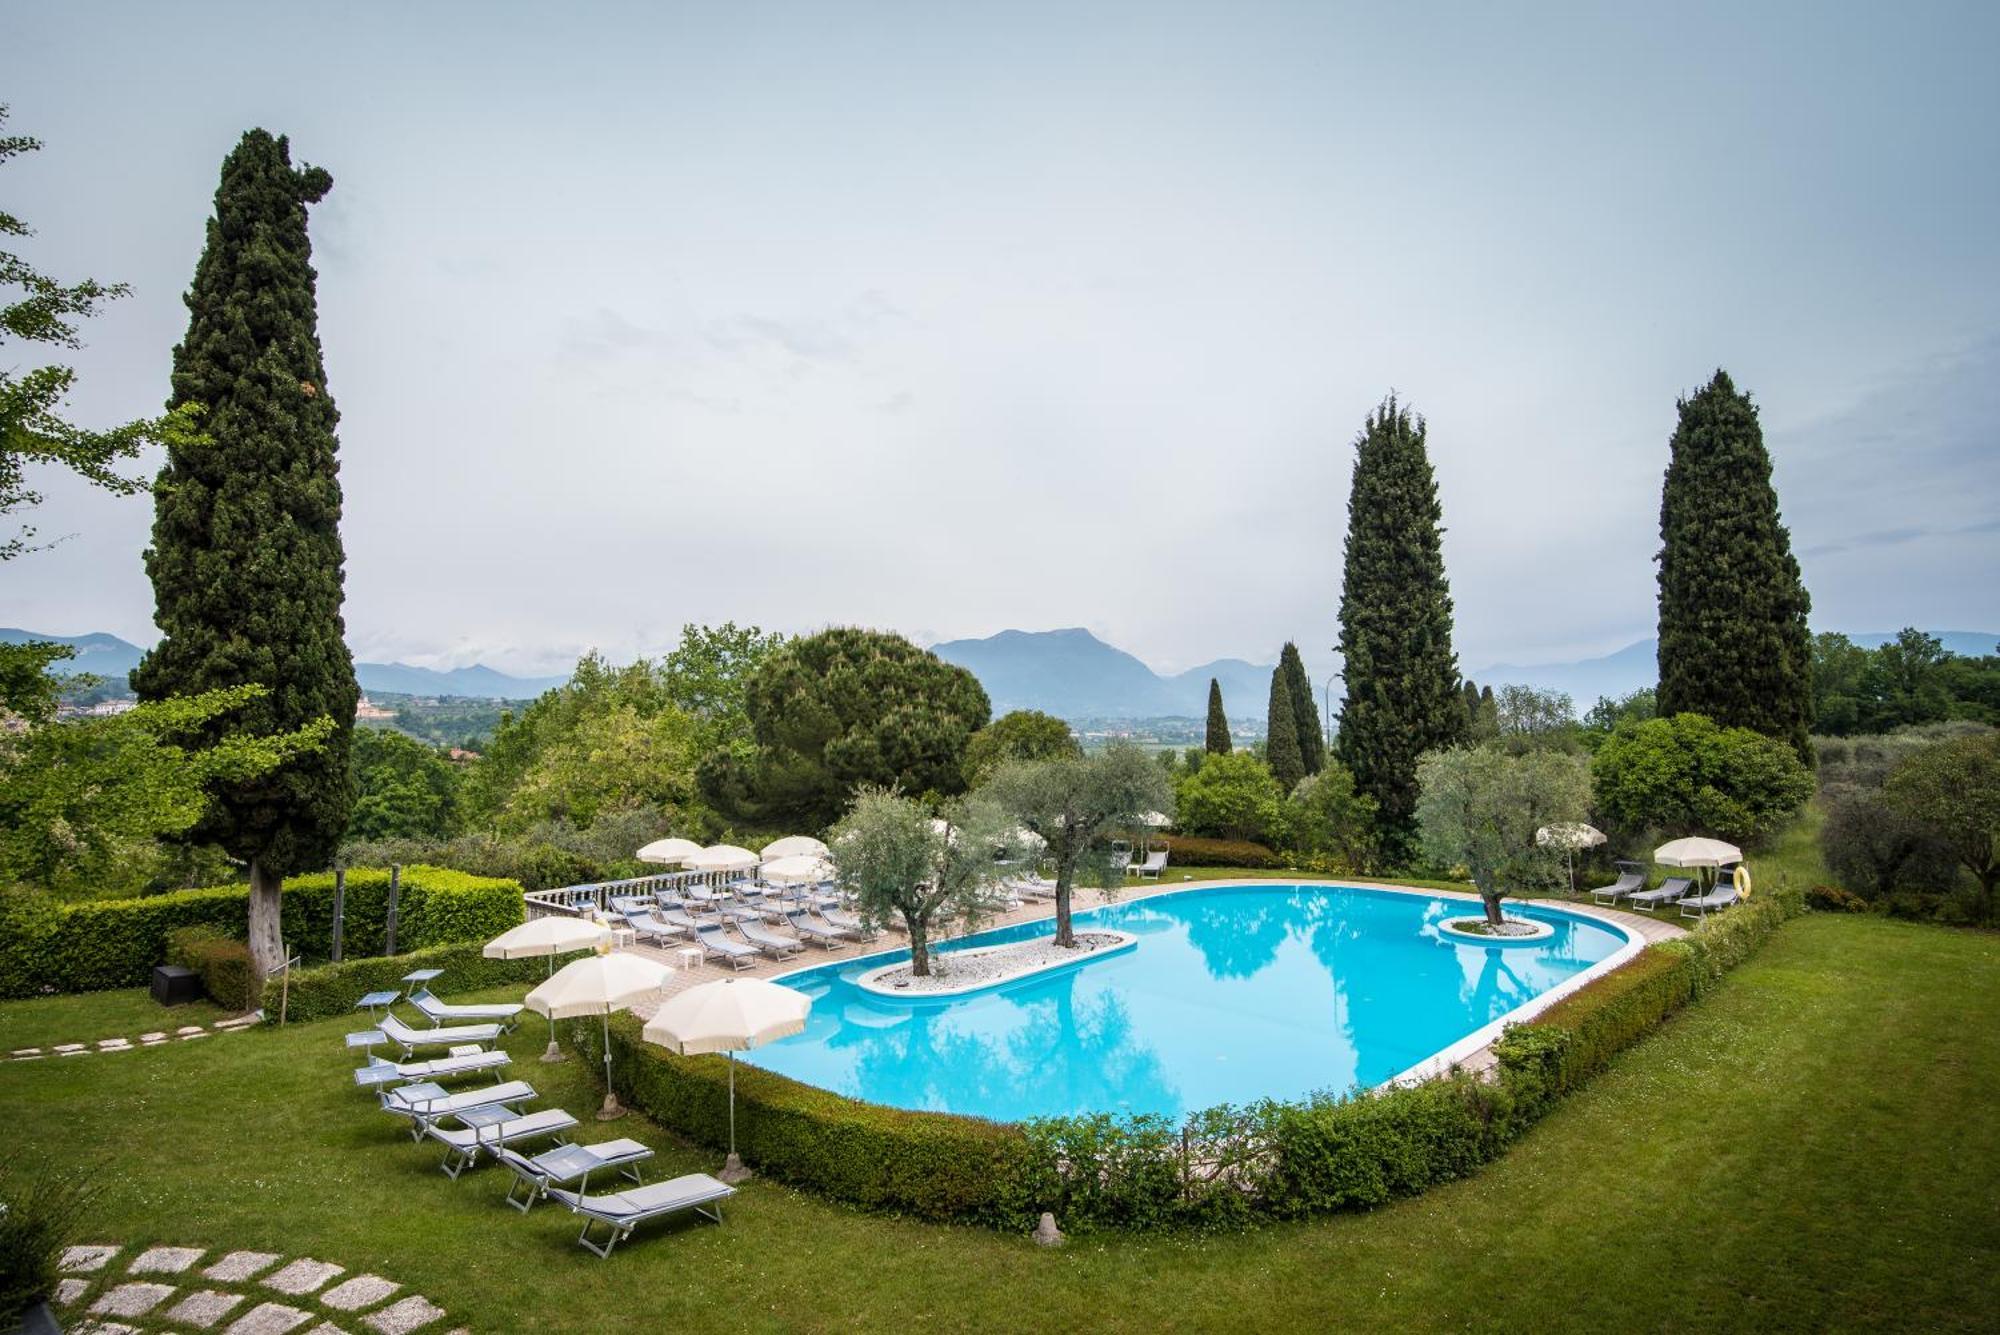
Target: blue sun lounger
(1631, 880)
(382, 1071)
(438, 1011)
(623, 1211)
(426, 1103)
(488, 1130)
(409, 1040)
(739, 955)
(1721, 897)
(565, 1164)
(1670, 890)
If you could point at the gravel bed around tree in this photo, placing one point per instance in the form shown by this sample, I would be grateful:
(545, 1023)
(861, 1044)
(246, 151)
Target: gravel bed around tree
(965, 970)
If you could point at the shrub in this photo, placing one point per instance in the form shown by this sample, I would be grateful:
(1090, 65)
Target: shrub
(1231, 796)
(1833, 899)
(1190, 851)
(1686, 775)
(227, 973)
(1876, 848)
(90, 946)
(43, 1207)
(332, 989)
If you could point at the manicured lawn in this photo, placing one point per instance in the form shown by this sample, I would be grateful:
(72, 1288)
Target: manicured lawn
(84, 1018)
(1810, 1148)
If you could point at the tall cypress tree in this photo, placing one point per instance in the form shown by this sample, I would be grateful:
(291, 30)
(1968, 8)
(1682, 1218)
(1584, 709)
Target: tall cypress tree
(1281, 735)
(246, 556)
(1305, 713)
(1733, 637)
(1218, 722)
(1402, 693)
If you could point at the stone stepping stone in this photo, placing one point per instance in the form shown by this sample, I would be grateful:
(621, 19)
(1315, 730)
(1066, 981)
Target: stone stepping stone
(78, 1051)
(302, 1276)
(204, 1308)
(153, 1037)
(240, 1022)
(362, 1291)
(406, 1315)
(104, 1328)
(190, 1029)
(71, 1047)
(27, 1052)
(326, 1328)
(269, 1319)
(92, 1256)
(199, 1033)
(165, 1260)
(69, 1290)
(132, 1299)
(239, 1266)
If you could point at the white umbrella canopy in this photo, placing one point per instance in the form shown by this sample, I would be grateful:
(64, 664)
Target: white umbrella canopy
(1157, 820)
(728, 1016)
(552, 935)
(1570, 835)
(598, 985)
(1697, 852)
(668, 851)
(722, 857)
(798, 870)
(792, 846)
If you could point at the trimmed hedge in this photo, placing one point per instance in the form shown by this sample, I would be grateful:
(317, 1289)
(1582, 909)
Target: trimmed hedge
(47, 946)
(332, 989)
(1224, 1167)
(227, 974)
(1190, 851)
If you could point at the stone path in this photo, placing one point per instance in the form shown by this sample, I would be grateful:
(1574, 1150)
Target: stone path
(155, 1039)
(109, 1289)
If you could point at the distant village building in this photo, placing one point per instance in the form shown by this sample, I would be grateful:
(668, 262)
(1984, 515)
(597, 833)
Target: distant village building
(460, 754)
(364, 710)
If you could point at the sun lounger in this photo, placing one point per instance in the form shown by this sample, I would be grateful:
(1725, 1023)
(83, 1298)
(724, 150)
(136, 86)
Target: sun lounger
(1670, 890)
(503, 1013)
(776, 946)
(738, 954)
(1154, 864)
(623, 1211)
(648, 926)
(1721, 897)
(425, 1104)
(824, 934)
(487, 1130)
(1034, 887)
(409, 1040)
(843, 921)
(381, 1071)
(1631, 879)
(566, 1164)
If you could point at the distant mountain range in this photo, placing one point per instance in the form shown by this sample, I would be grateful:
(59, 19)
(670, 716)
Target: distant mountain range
(1638, 665)
(1073, 674)
(112, 658)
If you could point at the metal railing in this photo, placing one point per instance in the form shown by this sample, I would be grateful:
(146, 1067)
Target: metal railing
(576, 901)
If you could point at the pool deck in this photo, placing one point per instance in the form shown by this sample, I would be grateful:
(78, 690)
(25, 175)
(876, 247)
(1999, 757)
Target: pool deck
(1482, 1062)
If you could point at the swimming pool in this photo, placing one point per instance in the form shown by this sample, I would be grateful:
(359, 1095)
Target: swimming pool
(1234, 993)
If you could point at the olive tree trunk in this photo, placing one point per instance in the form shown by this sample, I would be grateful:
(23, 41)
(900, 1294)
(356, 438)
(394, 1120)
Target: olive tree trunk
(1065, 934)
(267, 944)
(920, 955)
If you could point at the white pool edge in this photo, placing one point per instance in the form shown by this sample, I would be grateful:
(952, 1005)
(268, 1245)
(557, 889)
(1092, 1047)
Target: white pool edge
(1438, 1063)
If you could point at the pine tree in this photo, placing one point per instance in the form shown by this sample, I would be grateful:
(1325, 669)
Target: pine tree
(246, 556)
(1281, 735)
(1402, 685)
(1733, 639)
(1312, 743)
(1218, 722)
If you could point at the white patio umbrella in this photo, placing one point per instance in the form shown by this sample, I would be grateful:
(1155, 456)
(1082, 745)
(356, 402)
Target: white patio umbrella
(598, 985)
(552, 935)
(1569, 836)
(1157, 820)
(1696, 851)
(722, 857)
(802, 869)
(792, 846)
(668, 852)
(730, 1016)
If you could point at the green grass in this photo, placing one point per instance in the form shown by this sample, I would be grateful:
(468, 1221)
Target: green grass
(1809, 1148)
(85, 1017)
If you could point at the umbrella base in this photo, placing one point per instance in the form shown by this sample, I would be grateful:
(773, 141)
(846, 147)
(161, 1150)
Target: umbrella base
(733, 1171)
(553, 1053)
(612, 1109)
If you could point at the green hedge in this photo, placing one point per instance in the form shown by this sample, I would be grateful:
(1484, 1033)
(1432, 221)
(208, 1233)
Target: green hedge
(1190, 851)
(47, 946)
(1224, 1167)
(332, 989)
(227, 974)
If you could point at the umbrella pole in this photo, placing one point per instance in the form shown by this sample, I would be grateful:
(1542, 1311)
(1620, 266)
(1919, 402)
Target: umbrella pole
(732, 1167)
(552, 1053)
(611, 1109)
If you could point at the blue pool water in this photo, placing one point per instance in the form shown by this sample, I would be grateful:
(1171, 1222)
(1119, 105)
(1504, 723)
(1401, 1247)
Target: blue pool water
(1233, 994)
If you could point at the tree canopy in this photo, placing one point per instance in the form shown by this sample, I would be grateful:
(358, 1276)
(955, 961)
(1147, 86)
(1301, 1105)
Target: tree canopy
(402, 788)
(1231, 796)
(1023, 734)
(1217, 738)
(1953, 790)
(1305, 709)
(1480, 808)
(1733, 640)
(898, 861)
(1281, 735)
(1687, 775)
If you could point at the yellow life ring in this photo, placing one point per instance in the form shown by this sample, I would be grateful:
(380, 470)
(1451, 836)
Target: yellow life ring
(1743, 880)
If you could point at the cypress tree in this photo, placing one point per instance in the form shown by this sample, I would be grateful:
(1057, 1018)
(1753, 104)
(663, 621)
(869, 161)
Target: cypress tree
(1402, 685)
(246, 556)
(1281, 735)
(1218, 722)
(1312, 743)
(1733, 639)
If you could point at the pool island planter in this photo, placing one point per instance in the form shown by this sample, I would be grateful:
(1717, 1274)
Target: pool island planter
(961, 973)
(1223, 1167)
(1471, 931)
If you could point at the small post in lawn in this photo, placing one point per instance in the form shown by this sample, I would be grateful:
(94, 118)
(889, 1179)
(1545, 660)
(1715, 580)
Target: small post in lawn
(339, 908)
(395, 894)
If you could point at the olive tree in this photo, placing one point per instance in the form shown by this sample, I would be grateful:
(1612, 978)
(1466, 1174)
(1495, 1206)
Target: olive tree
(1953, 789)
(900, 862)
(1074, 804)
(1479, 808)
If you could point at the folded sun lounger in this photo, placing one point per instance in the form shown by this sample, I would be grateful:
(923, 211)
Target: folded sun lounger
(1631, 878)
(623, 1211)
(1670, 890)
(409, 1040)
(384, 1072)
(437, 1011)
(462, 1145)
(566, 1164)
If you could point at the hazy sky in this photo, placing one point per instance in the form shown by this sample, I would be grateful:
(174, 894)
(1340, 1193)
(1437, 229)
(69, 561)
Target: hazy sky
(956, 318)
